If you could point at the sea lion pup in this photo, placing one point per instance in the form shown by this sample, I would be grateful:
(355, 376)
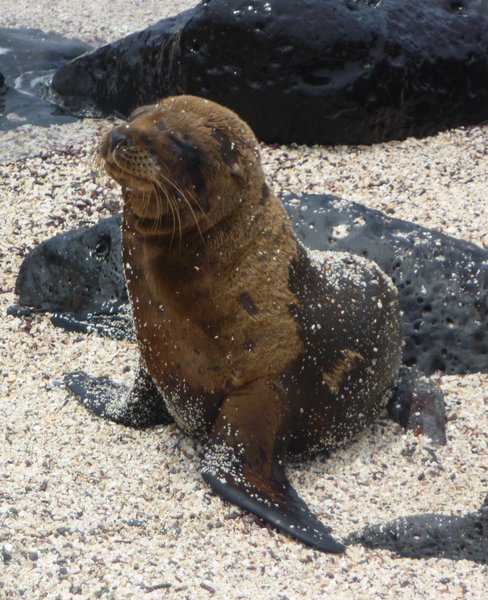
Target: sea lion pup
(253, 342)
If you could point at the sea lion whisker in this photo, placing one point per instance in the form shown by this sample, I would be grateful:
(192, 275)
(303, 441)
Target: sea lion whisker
(159, 192)
(199, 206)
(194, 216)
(145, 202)
(172, 183)
(184, 197)
(174, 209)
(159, 220)
(174, 212)
(159, 205)
(178, 188)
(159, 209)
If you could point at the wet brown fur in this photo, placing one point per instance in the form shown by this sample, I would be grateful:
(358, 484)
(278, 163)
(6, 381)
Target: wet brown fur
(252, 341)
(340, 369)
(204, 332)
(210, 286)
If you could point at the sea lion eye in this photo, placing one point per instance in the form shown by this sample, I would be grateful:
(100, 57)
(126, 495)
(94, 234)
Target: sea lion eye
(189, 152)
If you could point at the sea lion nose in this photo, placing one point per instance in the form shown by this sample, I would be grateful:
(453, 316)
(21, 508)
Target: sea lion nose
(117, 138)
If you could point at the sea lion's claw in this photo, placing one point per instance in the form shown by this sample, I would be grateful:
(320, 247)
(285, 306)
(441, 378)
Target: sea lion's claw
(418, 404)
(278, 505)
(142, 407)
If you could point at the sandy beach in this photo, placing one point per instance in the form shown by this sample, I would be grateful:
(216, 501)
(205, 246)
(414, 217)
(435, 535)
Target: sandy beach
(91, 509)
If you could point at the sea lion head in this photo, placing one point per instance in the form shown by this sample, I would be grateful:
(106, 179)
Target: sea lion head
(184, 163)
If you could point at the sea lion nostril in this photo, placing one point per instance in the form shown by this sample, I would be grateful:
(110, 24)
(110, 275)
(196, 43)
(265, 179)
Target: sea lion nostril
(117, 138)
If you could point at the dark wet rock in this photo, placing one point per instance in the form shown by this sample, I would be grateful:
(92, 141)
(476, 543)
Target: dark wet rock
(116, 78)
(431, 535)
(78, 272)
(417, 404)
(28, 59)
(442, 281)
(2, 79)
(321, 71)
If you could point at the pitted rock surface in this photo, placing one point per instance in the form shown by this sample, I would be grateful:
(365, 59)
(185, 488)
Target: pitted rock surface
(76, 272)
(442, 281)
(326, 71)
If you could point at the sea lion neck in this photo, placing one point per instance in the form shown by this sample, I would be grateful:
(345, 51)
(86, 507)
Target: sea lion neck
(220, 245)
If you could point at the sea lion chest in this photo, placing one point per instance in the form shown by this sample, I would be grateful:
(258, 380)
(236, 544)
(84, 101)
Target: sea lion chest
(183, 357)
(206, 327)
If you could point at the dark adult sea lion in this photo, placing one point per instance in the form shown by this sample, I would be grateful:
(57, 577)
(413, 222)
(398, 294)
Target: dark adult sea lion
(246, 338)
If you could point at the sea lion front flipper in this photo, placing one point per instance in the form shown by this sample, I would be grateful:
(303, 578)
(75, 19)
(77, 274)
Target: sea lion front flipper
(142, 406)
(418, 403)
(243, 464)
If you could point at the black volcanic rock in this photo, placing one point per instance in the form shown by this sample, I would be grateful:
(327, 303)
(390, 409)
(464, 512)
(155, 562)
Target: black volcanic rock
(314, 71)
(442, 281)
(78, 272)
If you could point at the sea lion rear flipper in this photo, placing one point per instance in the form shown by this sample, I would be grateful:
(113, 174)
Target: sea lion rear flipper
(142, 406)
(418, 403)
(242, 464)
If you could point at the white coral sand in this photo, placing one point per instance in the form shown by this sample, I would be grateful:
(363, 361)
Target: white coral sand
(90, 509)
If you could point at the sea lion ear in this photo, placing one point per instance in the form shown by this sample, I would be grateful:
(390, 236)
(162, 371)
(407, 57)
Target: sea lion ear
(236, 172)
(140, 110)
